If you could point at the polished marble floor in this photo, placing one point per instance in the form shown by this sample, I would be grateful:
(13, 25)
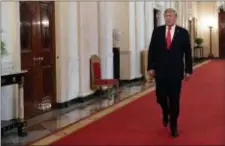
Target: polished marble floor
(52, 121)
(47, 123)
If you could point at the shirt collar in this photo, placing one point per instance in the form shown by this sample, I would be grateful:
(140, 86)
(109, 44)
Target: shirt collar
(172, 27)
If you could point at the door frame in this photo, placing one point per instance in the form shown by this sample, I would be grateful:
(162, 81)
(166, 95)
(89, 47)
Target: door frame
(18, 56)
(220, 52)
(54, 53)
(160, 7)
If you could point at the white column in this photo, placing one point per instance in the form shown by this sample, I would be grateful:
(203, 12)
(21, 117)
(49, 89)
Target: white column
(140, 35)
(173, 5)
(149, 24)
(88, 42)
(67, 63)
(194, 9)
(184, 14)
(180, 14)
(161, 6)
(167, 4)
(132, 40)
(105, 39)
(73, 56)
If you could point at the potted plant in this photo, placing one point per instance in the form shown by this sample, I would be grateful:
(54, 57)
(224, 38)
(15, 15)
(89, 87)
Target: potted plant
(198, 41)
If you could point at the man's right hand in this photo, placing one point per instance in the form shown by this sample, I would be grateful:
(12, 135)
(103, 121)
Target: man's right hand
(151, 74)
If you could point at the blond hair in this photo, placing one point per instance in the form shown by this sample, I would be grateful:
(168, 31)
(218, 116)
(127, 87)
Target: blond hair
(170, 10)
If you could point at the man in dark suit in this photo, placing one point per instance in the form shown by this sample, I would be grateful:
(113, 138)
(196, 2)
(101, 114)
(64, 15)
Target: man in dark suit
(169, 49)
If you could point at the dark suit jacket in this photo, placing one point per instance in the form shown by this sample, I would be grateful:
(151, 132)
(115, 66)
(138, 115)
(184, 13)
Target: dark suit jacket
(170, 63)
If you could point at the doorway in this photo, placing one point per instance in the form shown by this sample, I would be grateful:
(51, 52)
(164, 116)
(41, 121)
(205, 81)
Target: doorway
(116, 63)
(37, 38)
(222, 34)
(156, 13)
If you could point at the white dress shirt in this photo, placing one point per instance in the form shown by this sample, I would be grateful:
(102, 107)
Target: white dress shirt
(171, 31)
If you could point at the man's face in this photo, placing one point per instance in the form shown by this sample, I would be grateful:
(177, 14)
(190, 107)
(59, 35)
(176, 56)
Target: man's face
(170, 18)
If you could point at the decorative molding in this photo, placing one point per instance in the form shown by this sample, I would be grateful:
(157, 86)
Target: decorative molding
(221, 5)
(158, 6)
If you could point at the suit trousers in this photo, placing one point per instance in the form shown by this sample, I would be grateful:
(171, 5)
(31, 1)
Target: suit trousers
(168, 96)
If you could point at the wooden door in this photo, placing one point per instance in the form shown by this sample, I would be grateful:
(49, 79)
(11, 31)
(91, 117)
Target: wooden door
(38, 56)
(222, 34)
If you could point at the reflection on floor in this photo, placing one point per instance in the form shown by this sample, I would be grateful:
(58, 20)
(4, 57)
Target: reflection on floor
(47, 123)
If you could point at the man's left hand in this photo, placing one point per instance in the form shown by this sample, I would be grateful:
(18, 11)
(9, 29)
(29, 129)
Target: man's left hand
(187, 76)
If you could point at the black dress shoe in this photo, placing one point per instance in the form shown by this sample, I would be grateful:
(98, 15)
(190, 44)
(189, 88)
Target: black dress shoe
(165, 122)
(174, 133)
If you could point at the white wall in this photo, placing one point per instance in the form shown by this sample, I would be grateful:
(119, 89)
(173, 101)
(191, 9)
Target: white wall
(6, 34)
(121, 21)
(194, 9)
(207, 13)
(140, 35)
(149, 24)
(160, 6)
(9, 25)
(132, 41)
(105, 38)
(124, 21)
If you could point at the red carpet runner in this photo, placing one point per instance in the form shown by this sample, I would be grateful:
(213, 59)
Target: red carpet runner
(202, 119)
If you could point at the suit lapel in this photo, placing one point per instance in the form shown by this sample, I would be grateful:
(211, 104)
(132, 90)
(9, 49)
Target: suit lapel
(176, 33)
(164, 36)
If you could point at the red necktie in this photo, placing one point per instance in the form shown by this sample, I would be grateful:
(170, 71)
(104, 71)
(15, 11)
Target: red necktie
(168, 37)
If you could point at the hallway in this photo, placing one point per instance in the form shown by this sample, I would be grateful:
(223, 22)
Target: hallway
(137, 121)
(78, 70)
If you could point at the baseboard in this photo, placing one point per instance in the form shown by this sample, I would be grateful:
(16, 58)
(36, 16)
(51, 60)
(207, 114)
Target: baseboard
(78, 100)
(82, 99)
(122, 82)
(214, 58)
(205, 58)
